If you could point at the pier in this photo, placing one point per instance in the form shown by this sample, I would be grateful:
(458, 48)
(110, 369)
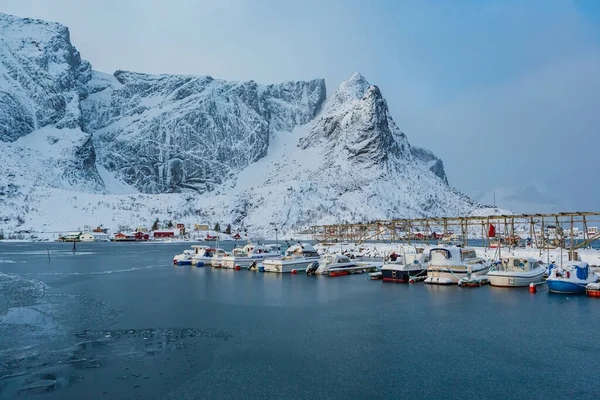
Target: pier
(543, 231)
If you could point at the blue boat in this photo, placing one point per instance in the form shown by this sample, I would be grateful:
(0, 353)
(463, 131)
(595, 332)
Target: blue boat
(571, 278)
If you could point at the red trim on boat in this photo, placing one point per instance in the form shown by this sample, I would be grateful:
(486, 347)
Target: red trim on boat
(394, 280)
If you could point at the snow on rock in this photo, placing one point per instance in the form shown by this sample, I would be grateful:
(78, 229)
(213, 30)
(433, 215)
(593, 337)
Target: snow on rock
(81, 147)
(174, 133)
(41, 77)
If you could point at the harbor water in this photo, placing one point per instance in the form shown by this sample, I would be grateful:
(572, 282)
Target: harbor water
(119, 321)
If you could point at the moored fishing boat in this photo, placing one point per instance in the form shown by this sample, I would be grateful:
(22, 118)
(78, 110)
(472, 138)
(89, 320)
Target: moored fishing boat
(205, 255)
(402, 266)
(516, 272)
(297, 257)
(250, 254)
(184, 258)
(571, 278)
(447, 265)
(337, 265)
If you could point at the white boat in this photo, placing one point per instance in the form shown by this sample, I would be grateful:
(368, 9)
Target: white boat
(571, 278)
(516, 272)
(296, 257)
(204, 255)
(184, 258)
(402, 267)
(334, 265)
(447, 265)
(250, 254)
(187, 257)
(217, 259)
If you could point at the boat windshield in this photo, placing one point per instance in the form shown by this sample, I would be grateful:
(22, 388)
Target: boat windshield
(442, 252)
(329, 258)
(468, 254)
(514, 264)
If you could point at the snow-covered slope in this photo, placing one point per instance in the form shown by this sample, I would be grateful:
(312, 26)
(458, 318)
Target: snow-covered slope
(80, 147)
(172, 133)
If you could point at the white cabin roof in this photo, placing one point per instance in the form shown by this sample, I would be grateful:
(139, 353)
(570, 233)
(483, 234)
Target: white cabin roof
(301, 247)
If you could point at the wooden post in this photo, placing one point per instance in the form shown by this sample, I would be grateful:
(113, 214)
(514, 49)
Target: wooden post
(531, 230)
(542, 234)
(512, 229)
(572, 249)
(483, 234)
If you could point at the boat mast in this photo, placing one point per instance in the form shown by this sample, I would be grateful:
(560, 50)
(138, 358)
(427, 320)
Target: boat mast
(572, 249)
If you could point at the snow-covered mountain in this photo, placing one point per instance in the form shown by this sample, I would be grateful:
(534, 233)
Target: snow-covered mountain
(82, 147)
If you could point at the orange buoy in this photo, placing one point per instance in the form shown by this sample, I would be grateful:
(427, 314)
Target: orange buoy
(237, 267)
(411, 281)
(532, 288)
(294, 271)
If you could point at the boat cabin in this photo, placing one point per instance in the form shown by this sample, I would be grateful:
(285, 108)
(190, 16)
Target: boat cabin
(238, 252)
(516, 264)
(300, 250)
(335, 259)
(256, 249)
(210, 252)
(451, 255)
(401, 257)
(199, 249)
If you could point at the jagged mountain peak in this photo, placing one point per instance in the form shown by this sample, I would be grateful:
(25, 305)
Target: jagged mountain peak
(21, 26)
(355, 125)
(354, 87)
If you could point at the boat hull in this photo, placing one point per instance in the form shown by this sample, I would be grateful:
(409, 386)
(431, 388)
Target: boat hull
(201, 261)
(216, 262)
(515, 279)
(345, 270)
(286, 266)
(562, 286)
(242, 262)
(451, 275)
(401, 276)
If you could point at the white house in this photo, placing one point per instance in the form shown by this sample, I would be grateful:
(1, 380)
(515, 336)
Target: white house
(100, 236)
(86, 237)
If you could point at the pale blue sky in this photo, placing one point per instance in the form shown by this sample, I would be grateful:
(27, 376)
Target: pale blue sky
(505, 92)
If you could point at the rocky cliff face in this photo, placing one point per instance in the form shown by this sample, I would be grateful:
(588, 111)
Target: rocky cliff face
(170, 133)
(42, 81)
(235, 152)
(42, 77)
